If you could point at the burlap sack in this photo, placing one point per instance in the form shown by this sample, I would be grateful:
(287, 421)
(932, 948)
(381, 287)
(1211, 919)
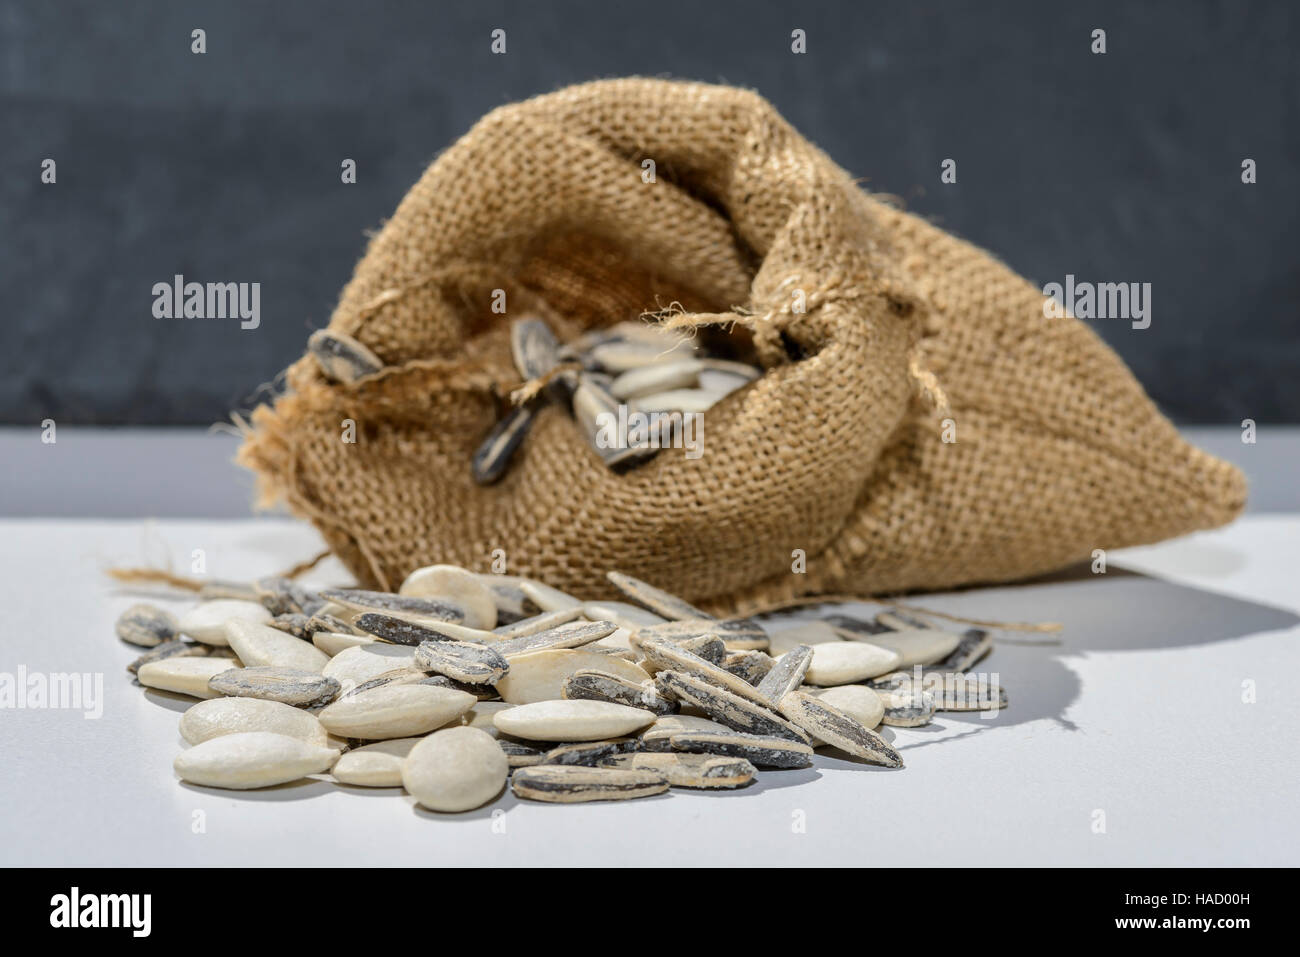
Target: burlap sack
(836, 453)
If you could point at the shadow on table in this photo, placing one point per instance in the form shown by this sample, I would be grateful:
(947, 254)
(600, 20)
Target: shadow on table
(1120, 611)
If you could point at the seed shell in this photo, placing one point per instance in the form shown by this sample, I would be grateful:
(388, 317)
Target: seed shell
(574, 634)
(685, 770)
(595, 685)
(340, 357)
(736, 712)
(462, 661)
(662, 603)
(764, 751)
(589, 753)
(787, 675)
(750, 666)
(146, 626)
(292, 686)
(907, 709)
(543, 622)
(825, 722)
(570, 785)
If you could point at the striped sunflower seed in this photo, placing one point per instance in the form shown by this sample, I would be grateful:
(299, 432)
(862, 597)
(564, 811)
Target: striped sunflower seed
(975, 643)
(595, 685)
(624, 356)
(559, 784)
(750, 666)
(787, 675)
(455, 585)
(294, 623)
(455, 769)
(662, 603)
(292, 686)
(284, 596)
(394, 711)
(543, 622)
(737, 634)
(907, 709)
(590, 754)
(512, 604)
(399, 606)
(218, 716)
(169, 649)
(252, 759)
(534, 348)
(764, 751)
(853, 628)
(660, 377)
(658, 737)
(521, 754)
(340, 357)
(960, 692)
(146, 626)
(540, 675)
(481, 692)
(499, 446)
(735, 712)
(623, 614)
(321, 621)
(685, 770)
(670, 656)
(825, 722)
(571, 635)
(461, 661)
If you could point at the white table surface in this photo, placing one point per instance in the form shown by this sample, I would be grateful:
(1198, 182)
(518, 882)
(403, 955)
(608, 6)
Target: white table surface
(1138, 713)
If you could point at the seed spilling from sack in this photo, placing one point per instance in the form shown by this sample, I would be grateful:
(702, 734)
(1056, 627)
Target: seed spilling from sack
(565, 701)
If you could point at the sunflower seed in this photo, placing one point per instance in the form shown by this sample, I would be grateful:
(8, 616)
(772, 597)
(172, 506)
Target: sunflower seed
(572, 635)
(520, 754)
(896, 619)
(918, 646)
(459, 588)
(662, 603)
(283, 596)
(263, 645)
(961, 692)
(592, 406)
(377, 765)
(624, 356)
(218, 716)
(678, 400)
(456, 769)
(742, 634)
(685, 770)
(669, 656)
(787, 675)
(658, 737)
(182, 675)
(540, 675)
(395, 711)
(825, 722)
(146, 626)
(975, 643)
(594, 685)
(736, 712)
(461, 661)
(481, 692)
(846, 662)
(325, 622)
(534, 348)
(331, 643)
(341, 357)
(764, 751)
(750, 666)
(860, 703)
(302, 689)
(217, 589)
(399, 676)
(572, 720)
(252, 759)
(168, 649)
(853, 628)
(294, 623)
(399, 606)
(661, 377)
(907, 709)
(498, 447)
(737, 370)
(590, 754)
(206, 622)
(547, 598)
(570, 785)
(543, 622)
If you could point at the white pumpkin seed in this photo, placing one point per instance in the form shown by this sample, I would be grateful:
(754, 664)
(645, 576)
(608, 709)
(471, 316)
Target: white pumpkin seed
(351, 666)
(395, 711)
(218, 716)
(183, 675)
(331, 643)
(457, 769)
(461, 588)
(572, 720)
(252, 759)
(547, 598)
(857, 701)
(262, 645)
(206, 622)
(377, 765)
(540, 675)
(846, 662)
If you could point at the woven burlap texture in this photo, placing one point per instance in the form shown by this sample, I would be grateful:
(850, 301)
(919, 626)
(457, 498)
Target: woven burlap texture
(876, 331)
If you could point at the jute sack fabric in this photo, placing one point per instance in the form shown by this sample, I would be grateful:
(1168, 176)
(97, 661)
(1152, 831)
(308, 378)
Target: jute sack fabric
(876, 330)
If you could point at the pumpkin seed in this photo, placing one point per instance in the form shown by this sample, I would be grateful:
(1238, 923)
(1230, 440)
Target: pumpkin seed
(918, 646)
(252, 759)
(846, 662)
(825, 722)
(351, 666)
(570, 785)
(395, 711)
(331, 643)
(459, 588)
(456, 769)
(292, 686)
(540, 675)
(858, 702)
(764, 751)
(182, 675)
(377, 765)
(146, 626)
(266, 646)
(340, 357)
(572, 720)
(206, 622)
(218, 716)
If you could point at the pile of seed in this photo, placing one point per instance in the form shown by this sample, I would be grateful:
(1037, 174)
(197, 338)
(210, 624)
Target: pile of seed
(460, 682)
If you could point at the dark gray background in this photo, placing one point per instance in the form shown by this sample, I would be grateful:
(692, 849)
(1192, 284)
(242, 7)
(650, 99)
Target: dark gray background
(225, 166)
